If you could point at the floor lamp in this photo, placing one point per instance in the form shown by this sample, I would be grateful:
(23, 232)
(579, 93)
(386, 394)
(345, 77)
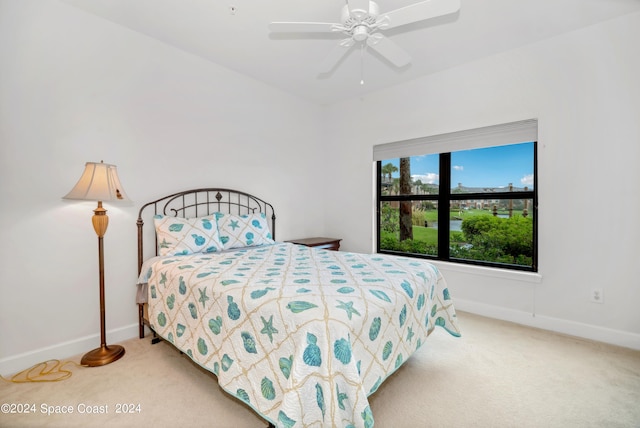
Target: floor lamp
(100, 182)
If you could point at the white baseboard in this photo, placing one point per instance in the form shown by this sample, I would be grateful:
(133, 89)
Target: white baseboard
(17, 363)
(572, 328)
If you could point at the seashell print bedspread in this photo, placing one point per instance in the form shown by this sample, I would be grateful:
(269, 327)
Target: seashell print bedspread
(301, 335)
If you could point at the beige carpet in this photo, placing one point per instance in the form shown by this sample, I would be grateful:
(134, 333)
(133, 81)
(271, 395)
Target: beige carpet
(496, 375)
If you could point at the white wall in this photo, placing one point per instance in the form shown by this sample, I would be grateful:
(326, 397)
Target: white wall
(583, 88)
(76, 88)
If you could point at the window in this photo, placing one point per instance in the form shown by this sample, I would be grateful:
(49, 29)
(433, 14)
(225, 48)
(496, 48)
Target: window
(474, 203)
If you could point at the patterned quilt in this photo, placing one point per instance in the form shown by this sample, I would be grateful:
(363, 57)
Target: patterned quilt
(301, 335)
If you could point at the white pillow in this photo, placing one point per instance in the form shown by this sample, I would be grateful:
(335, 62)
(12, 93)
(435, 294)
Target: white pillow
(181, 236)
(243, 230)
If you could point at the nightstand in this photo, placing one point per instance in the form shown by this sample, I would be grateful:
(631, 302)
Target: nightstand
(327, 243)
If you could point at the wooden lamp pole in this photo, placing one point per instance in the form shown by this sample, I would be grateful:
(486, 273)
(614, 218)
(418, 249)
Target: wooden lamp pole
(104, 354)
(100, 182)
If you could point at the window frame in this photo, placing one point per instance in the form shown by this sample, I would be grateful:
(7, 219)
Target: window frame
(444, 198)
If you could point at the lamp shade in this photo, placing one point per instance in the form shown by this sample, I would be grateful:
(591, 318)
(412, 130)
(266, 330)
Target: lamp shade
(99, 182)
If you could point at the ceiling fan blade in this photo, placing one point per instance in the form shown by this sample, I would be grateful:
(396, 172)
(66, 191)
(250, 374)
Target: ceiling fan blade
(419, 12)
(303, 27)
(335, 55)
(388, 49)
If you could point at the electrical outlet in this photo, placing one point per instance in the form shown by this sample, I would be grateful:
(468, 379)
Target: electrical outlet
(597, 295)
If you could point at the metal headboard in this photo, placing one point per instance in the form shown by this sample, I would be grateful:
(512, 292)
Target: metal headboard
(199, 203)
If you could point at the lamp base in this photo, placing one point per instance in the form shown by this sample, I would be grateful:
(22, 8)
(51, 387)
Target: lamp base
(102, 356)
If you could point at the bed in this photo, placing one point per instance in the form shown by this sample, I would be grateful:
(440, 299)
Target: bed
(301, 335)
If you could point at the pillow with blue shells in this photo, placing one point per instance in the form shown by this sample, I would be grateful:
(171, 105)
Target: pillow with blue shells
(248, 230)
(181, 236)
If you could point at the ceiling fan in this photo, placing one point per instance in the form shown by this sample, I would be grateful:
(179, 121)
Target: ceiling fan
(362, 22)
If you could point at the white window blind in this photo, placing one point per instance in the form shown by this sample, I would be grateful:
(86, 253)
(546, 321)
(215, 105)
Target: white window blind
(495, 135)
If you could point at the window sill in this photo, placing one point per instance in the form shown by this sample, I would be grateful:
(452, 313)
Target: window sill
(531, 277)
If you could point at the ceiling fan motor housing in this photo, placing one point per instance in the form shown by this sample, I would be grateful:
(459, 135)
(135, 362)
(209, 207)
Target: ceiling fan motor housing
(358, 23)
(355, 16)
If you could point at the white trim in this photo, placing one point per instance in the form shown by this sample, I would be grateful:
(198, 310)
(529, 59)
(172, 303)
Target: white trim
(516, 275)
(17, 363)
(568, 327)
(488, 136)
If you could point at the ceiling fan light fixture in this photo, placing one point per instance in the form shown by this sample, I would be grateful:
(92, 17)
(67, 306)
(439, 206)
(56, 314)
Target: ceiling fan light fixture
(360, 33)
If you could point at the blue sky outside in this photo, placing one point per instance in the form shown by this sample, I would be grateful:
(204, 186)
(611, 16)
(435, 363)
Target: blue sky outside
(491, 167)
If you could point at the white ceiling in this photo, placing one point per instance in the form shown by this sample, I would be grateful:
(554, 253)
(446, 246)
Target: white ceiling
(235, 34)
